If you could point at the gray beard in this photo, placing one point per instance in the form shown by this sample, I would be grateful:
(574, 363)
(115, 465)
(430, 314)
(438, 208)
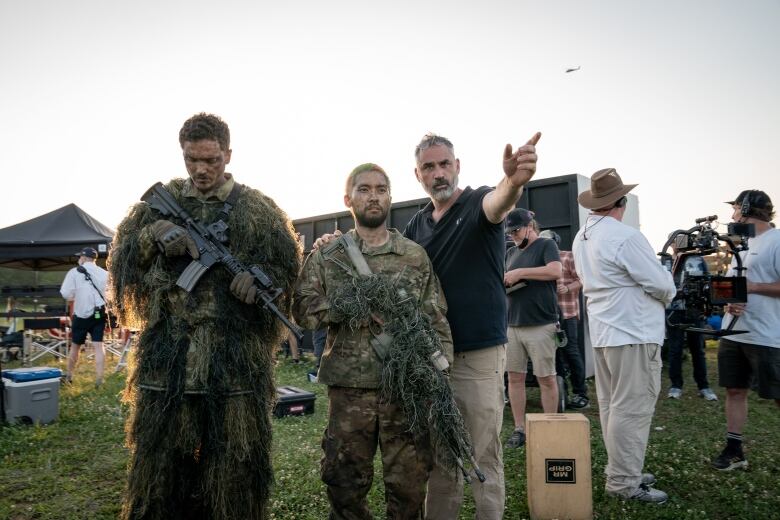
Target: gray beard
(445, 194)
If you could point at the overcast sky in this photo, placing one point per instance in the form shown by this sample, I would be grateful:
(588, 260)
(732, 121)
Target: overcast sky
(679, 96)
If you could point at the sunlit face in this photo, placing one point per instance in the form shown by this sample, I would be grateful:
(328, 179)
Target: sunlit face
(369, 199)
(437, 171)
(736, 216)
(205, 162)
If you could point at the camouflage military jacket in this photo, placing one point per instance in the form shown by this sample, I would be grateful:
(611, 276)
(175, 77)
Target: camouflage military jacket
(348, 359)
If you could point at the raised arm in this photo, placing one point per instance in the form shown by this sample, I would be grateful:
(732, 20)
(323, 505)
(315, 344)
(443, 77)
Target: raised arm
(519, 167)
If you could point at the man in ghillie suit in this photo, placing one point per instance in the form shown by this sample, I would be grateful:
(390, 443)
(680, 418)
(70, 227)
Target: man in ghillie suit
(201, 389)
(354, 362)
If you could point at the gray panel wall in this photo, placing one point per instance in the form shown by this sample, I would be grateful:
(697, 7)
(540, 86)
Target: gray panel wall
(554, 201)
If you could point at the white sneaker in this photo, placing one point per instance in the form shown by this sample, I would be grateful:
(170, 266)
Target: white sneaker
(708, 394)
(644, 493)
(674, 393)
(649, 494)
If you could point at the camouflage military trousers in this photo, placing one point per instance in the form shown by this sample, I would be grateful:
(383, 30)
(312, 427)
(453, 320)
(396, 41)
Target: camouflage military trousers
(357, 422)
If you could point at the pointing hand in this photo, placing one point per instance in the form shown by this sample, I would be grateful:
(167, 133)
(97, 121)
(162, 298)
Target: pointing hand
(520, 166)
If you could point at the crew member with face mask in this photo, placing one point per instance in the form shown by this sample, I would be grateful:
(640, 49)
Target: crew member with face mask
(533, 316)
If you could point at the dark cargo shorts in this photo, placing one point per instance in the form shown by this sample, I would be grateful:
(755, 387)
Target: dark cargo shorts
(93, 326)
(743, 365)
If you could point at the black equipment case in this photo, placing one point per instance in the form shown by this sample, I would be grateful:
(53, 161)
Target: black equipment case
(293, 401)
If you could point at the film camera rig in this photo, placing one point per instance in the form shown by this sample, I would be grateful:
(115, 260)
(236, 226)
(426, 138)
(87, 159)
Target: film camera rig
(698, 291)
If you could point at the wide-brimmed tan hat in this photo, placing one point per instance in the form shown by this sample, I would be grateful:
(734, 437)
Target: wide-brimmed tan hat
(606, 188)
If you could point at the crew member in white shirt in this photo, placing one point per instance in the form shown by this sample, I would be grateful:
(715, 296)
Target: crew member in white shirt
(626, 289)
(753, 358)
(89, 309)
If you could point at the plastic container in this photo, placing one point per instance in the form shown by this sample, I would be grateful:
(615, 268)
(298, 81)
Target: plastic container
(32, 394)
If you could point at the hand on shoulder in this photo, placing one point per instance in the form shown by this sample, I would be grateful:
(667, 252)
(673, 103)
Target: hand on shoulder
(324, 239)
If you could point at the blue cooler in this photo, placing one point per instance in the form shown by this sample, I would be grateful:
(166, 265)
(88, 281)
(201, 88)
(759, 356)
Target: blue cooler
(32, 394)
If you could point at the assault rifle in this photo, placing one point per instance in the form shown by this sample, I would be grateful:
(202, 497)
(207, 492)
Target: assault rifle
(212, 251)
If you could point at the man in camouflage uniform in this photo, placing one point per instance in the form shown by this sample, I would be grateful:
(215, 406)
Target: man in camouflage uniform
(201, 390)
(351, 368)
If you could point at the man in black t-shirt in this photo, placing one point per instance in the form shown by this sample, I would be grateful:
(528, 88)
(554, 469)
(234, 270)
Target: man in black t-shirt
(462, 231)
(532, 317)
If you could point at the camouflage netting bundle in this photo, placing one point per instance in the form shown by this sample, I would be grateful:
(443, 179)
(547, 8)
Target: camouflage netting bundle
(201, 386)
(408, 375)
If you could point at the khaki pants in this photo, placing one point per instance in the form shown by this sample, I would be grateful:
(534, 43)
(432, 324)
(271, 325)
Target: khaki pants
(628, 379)
(477, 379)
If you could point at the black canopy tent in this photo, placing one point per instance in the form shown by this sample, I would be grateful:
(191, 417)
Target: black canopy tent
(48, 242)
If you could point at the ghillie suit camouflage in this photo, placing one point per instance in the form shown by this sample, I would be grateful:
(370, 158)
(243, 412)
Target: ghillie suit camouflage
(201, 387)
(410, 349)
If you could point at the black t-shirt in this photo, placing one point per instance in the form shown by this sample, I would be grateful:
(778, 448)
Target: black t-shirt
(537, 302)
(467, 252)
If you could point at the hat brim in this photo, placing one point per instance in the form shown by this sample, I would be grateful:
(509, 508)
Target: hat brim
(516, 225)
(588, 201)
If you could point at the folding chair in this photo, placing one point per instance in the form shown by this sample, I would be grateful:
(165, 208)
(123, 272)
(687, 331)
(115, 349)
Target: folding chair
(57, 343)
(111, 343)
(127, 338)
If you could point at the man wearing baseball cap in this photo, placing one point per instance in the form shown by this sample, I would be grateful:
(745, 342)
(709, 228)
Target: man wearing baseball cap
(627, 290)
(751, 359)
(532, 318)
(85, 285)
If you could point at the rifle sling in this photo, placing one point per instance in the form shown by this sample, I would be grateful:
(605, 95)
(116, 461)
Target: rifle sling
(355, 255)
(89, 279)
(230, 201)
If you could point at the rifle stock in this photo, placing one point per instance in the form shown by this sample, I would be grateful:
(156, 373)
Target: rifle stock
(212, 251)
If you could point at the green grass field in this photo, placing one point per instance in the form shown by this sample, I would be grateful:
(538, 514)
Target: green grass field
(74, 468)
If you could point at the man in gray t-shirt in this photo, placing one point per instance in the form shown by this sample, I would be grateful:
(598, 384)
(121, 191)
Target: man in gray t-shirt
(532, 316)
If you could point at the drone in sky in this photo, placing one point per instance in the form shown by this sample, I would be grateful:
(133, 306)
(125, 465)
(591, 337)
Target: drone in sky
(575, 69)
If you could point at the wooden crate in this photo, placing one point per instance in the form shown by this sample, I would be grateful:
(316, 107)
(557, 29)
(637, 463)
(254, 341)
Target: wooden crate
(558, 466)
